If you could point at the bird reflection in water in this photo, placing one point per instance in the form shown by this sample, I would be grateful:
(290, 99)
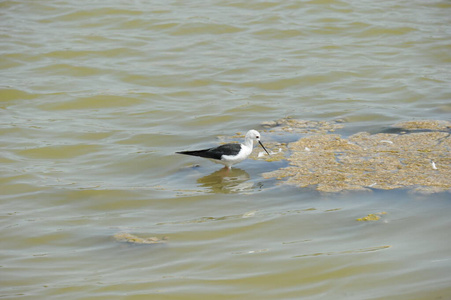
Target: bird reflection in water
(227, 181)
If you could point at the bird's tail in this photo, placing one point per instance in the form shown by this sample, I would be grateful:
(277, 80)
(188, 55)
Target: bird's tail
(200, 153)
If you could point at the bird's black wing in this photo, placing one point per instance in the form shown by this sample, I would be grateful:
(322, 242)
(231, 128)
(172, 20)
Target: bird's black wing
(216, 152)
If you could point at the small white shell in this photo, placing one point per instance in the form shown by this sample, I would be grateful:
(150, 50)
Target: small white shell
(433, 166)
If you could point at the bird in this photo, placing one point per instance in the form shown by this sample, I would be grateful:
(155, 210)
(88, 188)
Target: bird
(229, 154)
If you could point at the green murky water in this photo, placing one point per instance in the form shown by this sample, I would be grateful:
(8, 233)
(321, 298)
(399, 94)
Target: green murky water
(96, 97)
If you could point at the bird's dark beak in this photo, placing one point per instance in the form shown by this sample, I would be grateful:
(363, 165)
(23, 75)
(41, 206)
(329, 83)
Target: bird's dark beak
(264, 148)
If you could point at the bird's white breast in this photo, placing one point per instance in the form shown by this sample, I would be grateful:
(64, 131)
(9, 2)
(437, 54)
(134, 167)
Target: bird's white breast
(234, 159)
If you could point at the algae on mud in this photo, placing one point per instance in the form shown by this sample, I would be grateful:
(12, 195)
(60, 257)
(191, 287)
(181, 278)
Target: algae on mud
(417, 158)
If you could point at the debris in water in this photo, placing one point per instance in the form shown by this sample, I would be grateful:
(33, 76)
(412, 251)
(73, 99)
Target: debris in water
(372, 217)
(130, 238)
(424, 125)
(332, 163)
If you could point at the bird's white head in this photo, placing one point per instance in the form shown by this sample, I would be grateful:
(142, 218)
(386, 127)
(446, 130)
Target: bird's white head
(254, 135)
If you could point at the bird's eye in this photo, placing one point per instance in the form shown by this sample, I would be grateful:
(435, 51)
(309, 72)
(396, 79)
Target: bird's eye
(257, 137)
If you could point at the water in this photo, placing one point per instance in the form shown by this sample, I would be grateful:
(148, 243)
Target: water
(96, 97)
